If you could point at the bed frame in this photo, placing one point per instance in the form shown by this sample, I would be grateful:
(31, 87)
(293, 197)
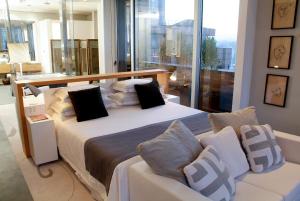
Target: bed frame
(162, 76)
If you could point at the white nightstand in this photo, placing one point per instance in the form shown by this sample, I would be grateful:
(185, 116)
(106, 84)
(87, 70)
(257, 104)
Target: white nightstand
(42, 140)
(34, 105)
(172, 98)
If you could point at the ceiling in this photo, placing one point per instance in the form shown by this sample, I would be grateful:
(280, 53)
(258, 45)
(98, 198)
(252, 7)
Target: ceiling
(52, 6)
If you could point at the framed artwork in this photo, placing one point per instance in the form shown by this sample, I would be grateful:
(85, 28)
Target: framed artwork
(280, 51)
(276, 90)
(284, 14)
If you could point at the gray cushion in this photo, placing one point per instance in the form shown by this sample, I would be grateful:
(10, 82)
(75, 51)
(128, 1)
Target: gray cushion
(209, 176)
(170, 152)
(262, 149)
(234, 119)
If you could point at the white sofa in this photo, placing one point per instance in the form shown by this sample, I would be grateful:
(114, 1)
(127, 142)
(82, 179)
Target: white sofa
(281, 184)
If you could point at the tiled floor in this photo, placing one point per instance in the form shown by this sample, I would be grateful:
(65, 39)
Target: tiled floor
(5, 95)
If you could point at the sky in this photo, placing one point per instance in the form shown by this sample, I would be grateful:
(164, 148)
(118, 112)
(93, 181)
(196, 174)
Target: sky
(221, 15)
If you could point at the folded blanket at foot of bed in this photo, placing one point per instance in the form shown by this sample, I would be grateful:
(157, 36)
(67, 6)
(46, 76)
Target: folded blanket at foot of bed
(104, 153)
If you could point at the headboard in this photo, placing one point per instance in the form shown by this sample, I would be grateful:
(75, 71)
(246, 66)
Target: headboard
(162, 76)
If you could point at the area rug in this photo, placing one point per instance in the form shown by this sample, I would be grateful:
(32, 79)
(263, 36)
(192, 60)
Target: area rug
(12, 182)
(55, 181)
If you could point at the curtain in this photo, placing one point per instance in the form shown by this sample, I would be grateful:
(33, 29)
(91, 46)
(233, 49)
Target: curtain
(30, 41)
(3, 39)
(17, 34)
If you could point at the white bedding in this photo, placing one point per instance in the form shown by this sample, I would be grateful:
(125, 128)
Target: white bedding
(72, 135)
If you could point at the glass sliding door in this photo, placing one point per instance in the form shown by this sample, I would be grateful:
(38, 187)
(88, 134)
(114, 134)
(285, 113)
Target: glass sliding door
(164, 39)
(218, 53)
(124, 35)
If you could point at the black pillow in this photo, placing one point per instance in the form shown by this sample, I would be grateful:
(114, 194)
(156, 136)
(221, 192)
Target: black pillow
(88, 104)
(149, 95)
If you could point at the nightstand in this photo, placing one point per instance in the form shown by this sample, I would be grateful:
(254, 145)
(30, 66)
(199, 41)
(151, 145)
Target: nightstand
(34, 105)
(42, 140)
(172, 98)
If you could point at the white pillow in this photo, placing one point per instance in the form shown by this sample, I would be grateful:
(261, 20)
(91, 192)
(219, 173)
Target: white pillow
(125, 99)
(66, 109)
(209, 176)
(128, 85)
(229, 148)
(63, 94)
(109, 103)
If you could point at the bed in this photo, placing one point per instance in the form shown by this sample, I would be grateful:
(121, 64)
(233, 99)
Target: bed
(72, 136)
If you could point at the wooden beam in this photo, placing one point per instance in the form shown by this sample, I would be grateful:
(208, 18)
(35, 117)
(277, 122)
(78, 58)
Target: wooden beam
(161, 75)
(63, 80)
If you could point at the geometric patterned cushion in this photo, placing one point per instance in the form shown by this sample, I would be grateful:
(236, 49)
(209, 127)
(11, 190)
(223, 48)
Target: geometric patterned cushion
(209, 176)
(261, 146)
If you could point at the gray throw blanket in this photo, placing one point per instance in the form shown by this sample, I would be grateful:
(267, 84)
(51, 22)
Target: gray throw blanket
(104, 153)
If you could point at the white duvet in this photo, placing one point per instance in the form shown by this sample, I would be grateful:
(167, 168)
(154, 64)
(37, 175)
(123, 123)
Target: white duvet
(72, 135)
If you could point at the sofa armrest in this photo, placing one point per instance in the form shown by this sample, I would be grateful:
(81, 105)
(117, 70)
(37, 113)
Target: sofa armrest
(144, 185)
(290, 145)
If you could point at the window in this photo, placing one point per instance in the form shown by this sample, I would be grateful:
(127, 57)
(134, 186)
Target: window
(219, 36)
(164, 39)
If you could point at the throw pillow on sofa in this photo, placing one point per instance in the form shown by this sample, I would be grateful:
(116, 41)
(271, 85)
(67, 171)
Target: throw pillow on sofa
(261, 146)
(209, 176)
(229, 149)
(170, 152)
(235, 119)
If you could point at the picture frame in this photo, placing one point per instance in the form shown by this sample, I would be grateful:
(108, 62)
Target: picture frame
(280, 52)
(284, 14)
(276, 90)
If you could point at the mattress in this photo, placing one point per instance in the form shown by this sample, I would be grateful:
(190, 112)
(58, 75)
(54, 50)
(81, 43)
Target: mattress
(72, 135)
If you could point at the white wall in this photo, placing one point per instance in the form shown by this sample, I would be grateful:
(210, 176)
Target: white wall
(81, 30)
(245, 49)
(285, 119)
(107, 36)
(45, 30)
(42, 33)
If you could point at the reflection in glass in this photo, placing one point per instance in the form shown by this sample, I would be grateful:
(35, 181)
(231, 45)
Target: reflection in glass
(164, 39)
(60, 36)
(124, 35)
(219, 35)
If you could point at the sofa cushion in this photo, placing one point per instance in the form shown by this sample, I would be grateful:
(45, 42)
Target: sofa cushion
(249, 192)
(261, 146)
(229, 149)
(284, 181)
(209, 176)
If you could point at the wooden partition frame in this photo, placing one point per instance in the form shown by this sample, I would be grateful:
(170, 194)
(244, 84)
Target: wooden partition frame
(162, 76)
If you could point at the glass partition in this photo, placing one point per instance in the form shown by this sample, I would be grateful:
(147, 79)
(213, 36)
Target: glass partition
(59, 36)
(164, 39)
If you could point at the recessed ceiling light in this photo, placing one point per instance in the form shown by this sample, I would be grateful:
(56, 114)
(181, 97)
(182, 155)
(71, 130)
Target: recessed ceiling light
(47, 3)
